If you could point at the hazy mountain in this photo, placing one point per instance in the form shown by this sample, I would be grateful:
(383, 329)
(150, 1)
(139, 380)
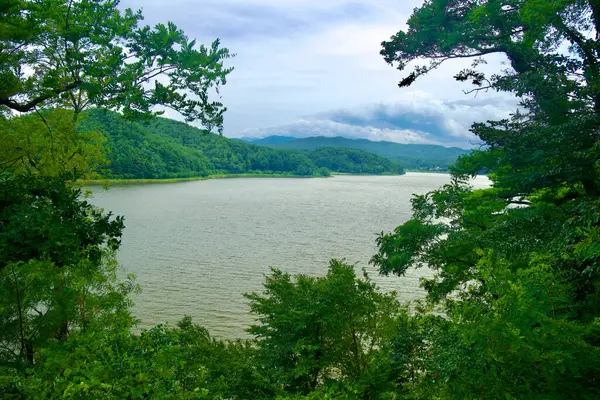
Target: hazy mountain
(411, 156)
(269, 139)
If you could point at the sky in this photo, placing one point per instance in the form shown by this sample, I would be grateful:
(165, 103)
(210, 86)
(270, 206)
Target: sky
(312, 67)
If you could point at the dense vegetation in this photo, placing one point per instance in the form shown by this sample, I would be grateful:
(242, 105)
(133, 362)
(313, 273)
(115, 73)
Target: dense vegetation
(420, 157)
(163, 148)
(352, 161)
(513, 304)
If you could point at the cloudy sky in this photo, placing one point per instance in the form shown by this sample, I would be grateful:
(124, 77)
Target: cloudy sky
(312, 67)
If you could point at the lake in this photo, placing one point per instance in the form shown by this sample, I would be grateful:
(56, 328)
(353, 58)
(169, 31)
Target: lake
(196, 247)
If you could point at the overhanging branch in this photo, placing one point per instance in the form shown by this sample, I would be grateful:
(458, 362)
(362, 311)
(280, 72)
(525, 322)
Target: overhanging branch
(20, 107)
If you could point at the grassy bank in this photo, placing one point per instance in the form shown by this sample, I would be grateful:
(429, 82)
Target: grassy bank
(104, 182)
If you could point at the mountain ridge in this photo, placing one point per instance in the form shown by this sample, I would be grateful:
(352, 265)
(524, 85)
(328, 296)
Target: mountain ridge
(409, 155)
(286, 139)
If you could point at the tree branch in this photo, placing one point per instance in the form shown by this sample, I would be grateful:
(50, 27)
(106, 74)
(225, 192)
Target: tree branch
(13, 105)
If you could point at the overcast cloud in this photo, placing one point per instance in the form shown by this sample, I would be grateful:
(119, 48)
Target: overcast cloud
(312, 67)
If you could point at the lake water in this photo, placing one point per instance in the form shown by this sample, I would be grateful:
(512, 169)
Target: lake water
(196, 247)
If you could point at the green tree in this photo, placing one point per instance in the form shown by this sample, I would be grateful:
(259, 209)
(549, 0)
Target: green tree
(324, 329)
(57, 271)
(58, 275)
(515, 272)
(555, 141)
(83, 52)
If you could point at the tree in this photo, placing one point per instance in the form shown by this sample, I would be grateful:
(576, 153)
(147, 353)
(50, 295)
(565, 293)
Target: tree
(81, 52)
(57, 271)
(314, 330)
(561, 90)
(515, 272)
(59, 291)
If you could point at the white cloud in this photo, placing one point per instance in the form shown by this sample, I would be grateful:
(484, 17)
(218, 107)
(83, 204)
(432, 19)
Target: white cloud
(305, 57)
(417, 119)
(327, 128)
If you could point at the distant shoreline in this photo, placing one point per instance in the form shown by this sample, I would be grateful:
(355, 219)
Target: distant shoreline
(143, 181)
(426, 172)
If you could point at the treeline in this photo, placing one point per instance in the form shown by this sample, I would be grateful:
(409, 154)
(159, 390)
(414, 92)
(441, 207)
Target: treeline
(421, 157)
(163, 148)
(352, 161)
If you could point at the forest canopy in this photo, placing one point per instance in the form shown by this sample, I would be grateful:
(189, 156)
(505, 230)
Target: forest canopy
(419, 157)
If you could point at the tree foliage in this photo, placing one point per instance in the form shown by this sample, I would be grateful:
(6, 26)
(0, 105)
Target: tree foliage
(515, 272)
(183, 362)
(556, 139)
(84, 52)
(57, 271)
(322, 330)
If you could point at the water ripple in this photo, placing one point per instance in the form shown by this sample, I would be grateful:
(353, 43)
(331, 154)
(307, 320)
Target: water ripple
(197, 247)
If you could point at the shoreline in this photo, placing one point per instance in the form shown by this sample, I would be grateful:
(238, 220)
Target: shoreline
(150, 181)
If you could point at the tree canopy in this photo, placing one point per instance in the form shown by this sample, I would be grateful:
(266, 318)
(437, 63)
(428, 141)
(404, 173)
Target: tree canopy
(515, 270)
(86, 52)
(553, 48)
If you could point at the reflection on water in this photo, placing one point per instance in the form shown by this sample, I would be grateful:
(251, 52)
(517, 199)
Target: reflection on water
(196, 247)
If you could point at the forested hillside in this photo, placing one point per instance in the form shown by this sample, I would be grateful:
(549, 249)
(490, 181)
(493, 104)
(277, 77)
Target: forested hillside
(164, 148)
(353, 161)
(410, 156)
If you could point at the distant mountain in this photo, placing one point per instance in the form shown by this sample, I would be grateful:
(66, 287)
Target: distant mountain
(410, 156)
(270, 139)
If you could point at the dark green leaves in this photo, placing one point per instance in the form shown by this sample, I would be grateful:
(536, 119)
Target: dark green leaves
(315, 330)
(90, 53)
(514, 266)
(57, 271)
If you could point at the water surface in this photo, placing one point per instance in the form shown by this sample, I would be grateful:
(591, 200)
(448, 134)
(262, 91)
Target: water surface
(197, 246)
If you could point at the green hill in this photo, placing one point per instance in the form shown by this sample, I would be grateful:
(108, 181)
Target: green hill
(164, 148)
(353, 161)
(410, 156)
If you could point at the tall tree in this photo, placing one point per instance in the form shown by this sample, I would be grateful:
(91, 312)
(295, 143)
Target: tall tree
(57, 270)
(85, 52)
(515, 267)
(57, 267)
(312, 330)
(559, 88)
